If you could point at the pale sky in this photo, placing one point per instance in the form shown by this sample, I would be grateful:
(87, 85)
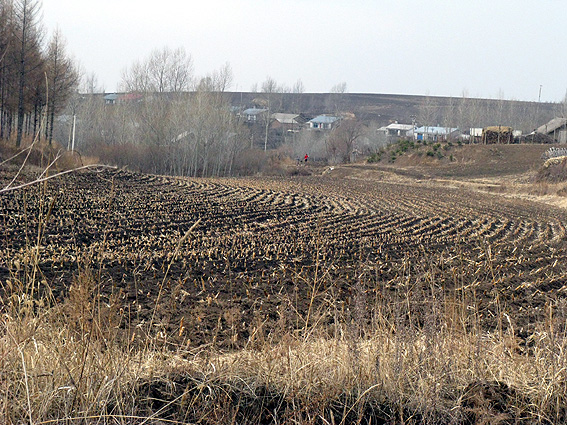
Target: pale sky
(486, 48)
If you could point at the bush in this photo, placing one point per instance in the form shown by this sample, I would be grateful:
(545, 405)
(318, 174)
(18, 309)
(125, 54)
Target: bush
(374, 158)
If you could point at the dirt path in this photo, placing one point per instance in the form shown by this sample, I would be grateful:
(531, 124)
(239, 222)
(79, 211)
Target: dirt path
(515, 186)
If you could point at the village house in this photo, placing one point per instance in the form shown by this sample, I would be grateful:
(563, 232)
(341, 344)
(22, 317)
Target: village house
(556, 129)
(253, 114)
(111, 99)
(435, 134)
(115, 98)
(395, 131)
(287, 122)
(324, 122)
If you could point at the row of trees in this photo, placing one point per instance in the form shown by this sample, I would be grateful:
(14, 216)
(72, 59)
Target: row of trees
(466, 112)
(166, 120)
(36, 78)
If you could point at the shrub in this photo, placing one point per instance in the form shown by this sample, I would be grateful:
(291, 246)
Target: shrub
(374, 158)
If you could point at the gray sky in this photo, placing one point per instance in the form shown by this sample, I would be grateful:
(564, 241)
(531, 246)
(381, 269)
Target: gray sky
(486, 48)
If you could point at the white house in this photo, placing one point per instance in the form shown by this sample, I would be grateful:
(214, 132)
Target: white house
(396, 130)
(324, 122)
(111, 99)
(253, 114)
(435, 134)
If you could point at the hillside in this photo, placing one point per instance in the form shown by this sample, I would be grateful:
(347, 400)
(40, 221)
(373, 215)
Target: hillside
(509, 171)
(382, 109)
(471, 161)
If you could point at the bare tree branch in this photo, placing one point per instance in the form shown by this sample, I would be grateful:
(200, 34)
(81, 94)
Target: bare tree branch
(62, 173)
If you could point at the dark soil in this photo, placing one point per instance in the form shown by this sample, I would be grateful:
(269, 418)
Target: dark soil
(247, 271)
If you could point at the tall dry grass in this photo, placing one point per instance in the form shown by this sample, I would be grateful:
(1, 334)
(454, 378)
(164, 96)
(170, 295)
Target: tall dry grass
(78, 361)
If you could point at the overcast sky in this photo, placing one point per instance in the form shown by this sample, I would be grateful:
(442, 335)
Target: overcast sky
(485, 48)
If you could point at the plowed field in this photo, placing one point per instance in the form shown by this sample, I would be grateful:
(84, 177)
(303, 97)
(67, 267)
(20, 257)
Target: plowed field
(279, 252)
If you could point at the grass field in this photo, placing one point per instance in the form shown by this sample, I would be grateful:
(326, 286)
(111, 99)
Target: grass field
(357, 295)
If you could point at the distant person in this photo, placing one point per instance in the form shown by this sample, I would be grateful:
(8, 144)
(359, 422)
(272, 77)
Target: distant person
(306, 158)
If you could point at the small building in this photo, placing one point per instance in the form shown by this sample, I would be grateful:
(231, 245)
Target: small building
(556, 129)
(472, 135)
(396, 129)
(435, 133)
(253, 114)
(287, 122)
(111, 99)
(324, 122)
(130, 97)
(116, 98)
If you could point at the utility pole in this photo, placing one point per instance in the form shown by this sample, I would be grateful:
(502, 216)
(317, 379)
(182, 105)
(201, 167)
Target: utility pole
(73, 136)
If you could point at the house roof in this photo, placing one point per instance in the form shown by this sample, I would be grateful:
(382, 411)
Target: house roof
(253, 111)
(552, 125)
(285, 118)
(324, 119)
(131, 96)
(435, 130)
(397, 126)
(111, 96)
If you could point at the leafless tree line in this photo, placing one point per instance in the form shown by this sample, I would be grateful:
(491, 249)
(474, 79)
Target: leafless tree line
(466, 112)
(36, 78)
(165, 121)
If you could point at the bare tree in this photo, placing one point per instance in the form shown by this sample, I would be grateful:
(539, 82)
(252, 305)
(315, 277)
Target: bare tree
(179, 132)
(336, 100)
(270, 91)
(27, 34)
(210, 137)
(163, 71)
(156, 86)
(62, 79)
(428, 111)
(339, 88)
(449, 113)
(7, 70)
(341, 140)
(297, 90)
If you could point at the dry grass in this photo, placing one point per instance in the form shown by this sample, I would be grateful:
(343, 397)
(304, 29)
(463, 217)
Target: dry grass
(72, 362)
